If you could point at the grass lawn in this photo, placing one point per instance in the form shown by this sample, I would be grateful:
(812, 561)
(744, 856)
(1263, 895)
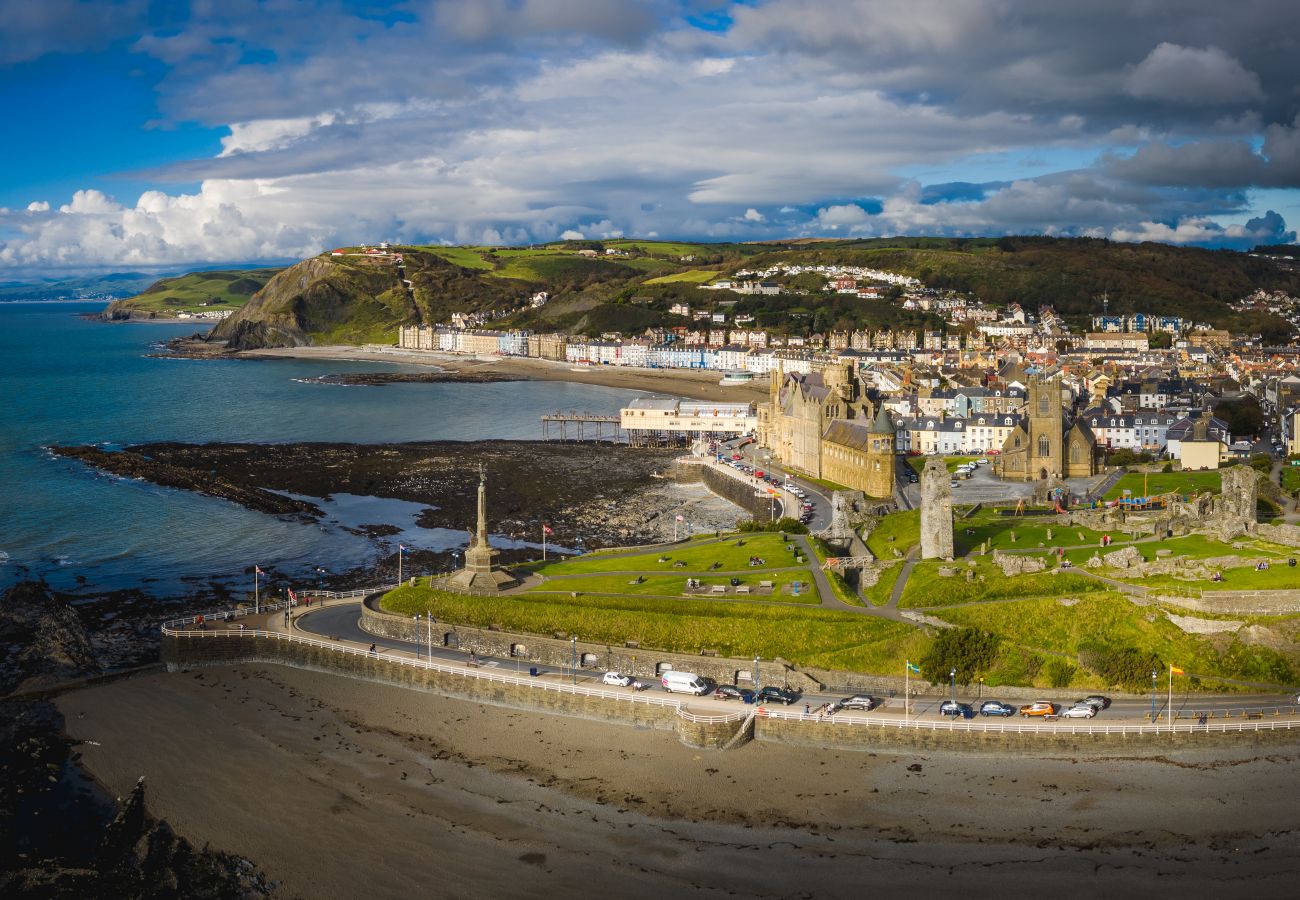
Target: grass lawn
(1278, 576)
(1139, 484)
(901, 531)
(952, 462)
(1290, 478)
(926, 587)
(828, 485)
(878, 593)
(810, 636)
(694, 276)
(662, 248)
(698, 558)
(1030, 531)
(675, 586)
(465, 257)
(1110, 620)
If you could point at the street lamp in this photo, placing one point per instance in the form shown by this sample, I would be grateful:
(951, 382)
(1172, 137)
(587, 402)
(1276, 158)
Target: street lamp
(756, 681)
(1153, 696)
(953, 676)
(575, 659)
(417, 636)
(979, 695)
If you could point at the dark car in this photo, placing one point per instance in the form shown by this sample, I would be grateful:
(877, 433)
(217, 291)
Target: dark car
(1096, 701)
(858, 701)
(772, 694)
(954, 708)
(731, 692)
(913, 479)
(996, 708)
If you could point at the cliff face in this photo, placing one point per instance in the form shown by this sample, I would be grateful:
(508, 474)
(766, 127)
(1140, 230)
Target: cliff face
(358, 299)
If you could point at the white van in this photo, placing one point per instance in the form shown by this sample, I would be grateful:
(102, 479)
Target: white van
(683, 683)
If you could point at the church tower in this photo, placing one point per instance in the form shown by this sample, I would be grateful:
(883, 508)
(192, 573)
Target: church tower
(880, 454)
(1045, 423)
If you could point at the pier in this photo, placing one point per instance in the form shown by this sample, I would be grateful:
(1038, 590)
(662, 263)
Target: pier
(582, 426)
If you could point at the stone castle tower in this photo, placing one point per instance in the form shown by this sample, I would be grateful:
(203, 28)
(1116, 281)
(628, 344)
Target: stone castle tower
(936, 510)
(880, 454)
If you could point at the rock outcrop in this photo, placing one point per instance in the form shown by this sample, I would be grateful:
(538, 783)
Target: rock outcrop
(46, 641)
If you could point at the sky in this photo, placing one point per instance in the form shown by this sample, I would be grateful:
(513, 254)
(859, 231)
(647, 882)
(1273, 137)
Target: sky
(148, 134)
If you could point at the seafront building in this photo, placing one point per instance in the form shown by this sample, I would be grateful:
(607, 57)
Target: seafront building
(667, 421)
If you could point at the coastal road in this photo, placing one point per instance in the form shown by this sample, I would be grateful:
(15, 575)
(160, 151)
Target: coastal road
(344, 623)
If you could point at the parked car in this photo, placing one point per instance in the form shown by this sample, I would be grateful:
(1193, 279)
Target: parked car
(772, 694)
(913, 479)
(1096, 700)
(996, 708)
(956, 708)
(1080, 711)
(1039, 708)
(735, 582)
(731, 692)
(618, 679)
(857, 701)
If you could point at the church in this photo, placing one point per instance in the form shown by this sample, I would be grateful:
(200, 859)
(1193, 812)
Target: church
(1047, 443)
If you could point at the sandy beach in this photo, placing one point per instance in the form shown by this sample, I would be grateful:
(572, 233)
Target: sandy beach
(675, 382)
(341, 788)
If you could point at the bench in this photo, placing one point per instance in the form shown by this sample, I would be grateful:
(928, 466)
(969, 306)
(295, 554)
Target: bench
(743, 589)
(765, 584)
(719, 589)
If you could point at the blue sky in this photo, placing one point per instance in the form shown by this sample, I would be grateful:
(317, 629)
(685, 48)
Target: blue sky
(151, 134)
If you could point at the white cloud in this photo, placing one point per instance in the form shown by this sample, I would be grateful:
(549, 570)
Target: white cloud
(1194, 76)
(843, 216)
(572, 235)
(753, 215)
(38, 206)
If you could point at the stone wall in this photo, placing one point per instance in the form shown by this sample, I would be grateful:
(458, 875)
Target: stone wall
(181, 652)
(738, 492)
(558, 651)
(1038, 743)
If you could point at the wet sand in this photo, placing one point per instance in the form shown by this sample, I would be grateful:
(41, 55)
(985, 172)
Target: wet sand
(674, 382)
(341, 788)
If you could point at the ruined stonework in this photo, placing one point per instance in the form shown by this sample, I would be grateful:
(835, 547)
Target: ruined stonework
(936, 510)
(1239, 495)
(1013, 564)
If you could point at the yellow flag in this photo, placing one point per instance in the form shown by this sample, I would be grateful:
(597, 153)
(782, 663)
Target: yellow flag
(1176, 671)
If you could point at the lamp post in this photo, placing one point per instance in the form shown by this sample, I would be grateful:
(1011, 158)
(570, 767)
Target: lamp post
(417, 636)
(953, 675)
(757, 684)
(979, 695)
(1153, 696)
(575, 659)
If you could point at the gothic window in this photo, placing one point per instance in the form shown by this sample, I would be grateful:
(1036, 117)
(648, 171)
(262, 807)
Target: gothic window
(1017, 440)
(1044, 445)
(1074, 453)
(1042, 404)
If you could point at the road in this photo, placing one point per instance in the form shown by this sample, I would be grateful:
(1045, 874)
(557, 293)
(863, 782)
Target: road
(761, 458)
(342, 622)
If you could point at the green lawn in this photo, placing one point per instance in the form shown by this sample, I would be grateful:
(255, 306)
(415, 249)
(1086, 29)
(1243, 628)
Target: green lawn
(901, 531)
(662, 248)
(1290, 478)
(698, 558)
(878, 593)
(696, 276)
(926, 587)
(675, 586)
(1030, 531)
(465, 257)
(201, 291)
(1110, 620)
(1140, 484)
(808, 636)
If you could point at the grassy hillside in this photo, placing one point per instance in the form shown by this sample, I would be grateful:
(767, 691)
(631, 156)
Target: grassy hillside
(354, 298)
(195, 292)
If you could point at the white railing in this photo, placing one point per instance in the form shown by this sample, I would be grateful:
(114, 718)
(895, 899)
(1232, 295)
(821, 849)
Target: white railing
(1283, 718)
(230, 615)
(1048, 727)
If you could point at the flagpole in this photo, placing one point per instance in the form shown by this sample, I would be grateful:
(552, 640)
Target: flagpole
(907, 693)
(399, 565)
(257, 606)
(543, 542)
(1171, 697)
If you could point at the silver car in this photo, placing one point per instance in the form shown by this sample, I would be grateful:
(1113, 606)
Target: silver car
(1082, 711)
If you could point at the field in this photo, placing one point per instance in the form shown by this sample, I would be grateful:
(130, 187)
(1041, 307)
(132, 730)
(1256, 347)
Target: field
(1029, 531)
(813, 637)
(1139, 484)
(199, 292)
(697, 276)
(659, 248)
(897, 531)
(465, 257)
(675, 586)
(731, 554)
(926, 587)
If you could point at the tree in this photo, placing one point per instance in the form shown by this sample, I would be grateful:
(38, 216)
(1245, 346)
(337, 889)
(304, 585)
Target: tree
(969, 651)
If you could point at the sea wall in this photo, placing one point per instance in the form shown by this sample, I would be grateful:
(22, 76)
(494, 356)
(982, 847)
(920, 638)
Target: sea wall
(528, 649)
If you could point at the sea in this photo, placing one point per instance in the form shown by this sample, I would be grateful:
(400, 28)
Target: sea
(67, 379)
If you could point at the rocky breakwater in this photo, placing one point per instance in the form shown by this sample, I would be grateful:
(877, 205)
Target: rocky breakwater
(60, 835)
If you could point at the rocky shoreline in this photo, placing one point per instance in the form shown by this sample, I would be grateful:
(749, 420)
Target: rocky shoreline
(382, 378)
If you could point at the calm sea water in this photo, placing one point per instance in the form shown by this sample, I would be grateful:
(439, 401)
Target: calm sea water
(68, 380)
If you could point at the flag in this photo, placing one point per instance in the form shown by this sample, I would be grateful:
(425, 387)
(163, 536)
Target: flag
(258, 570)
(681, 518)
(912, 668)
(293, 598)
(546, 529)
(401, 548)
(1174, 670)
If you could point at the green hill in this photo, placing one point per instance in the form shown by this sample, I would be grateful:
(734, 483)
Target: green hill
(355, 298)
(194, 292)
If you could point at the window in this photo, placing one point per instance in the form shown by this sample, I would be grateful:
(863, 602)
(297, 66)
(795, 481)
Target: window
(1044, 445)
(1074, 453)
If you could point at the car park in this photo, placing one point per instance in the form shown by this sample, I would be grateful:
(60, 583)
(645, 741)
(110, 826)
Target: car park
(1039, 708)
(731, 692)
(857, 701)
(618, 679)
(957, 709)
(1080, 711)
(771, 694)
(1096, 700)
(996, 708)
